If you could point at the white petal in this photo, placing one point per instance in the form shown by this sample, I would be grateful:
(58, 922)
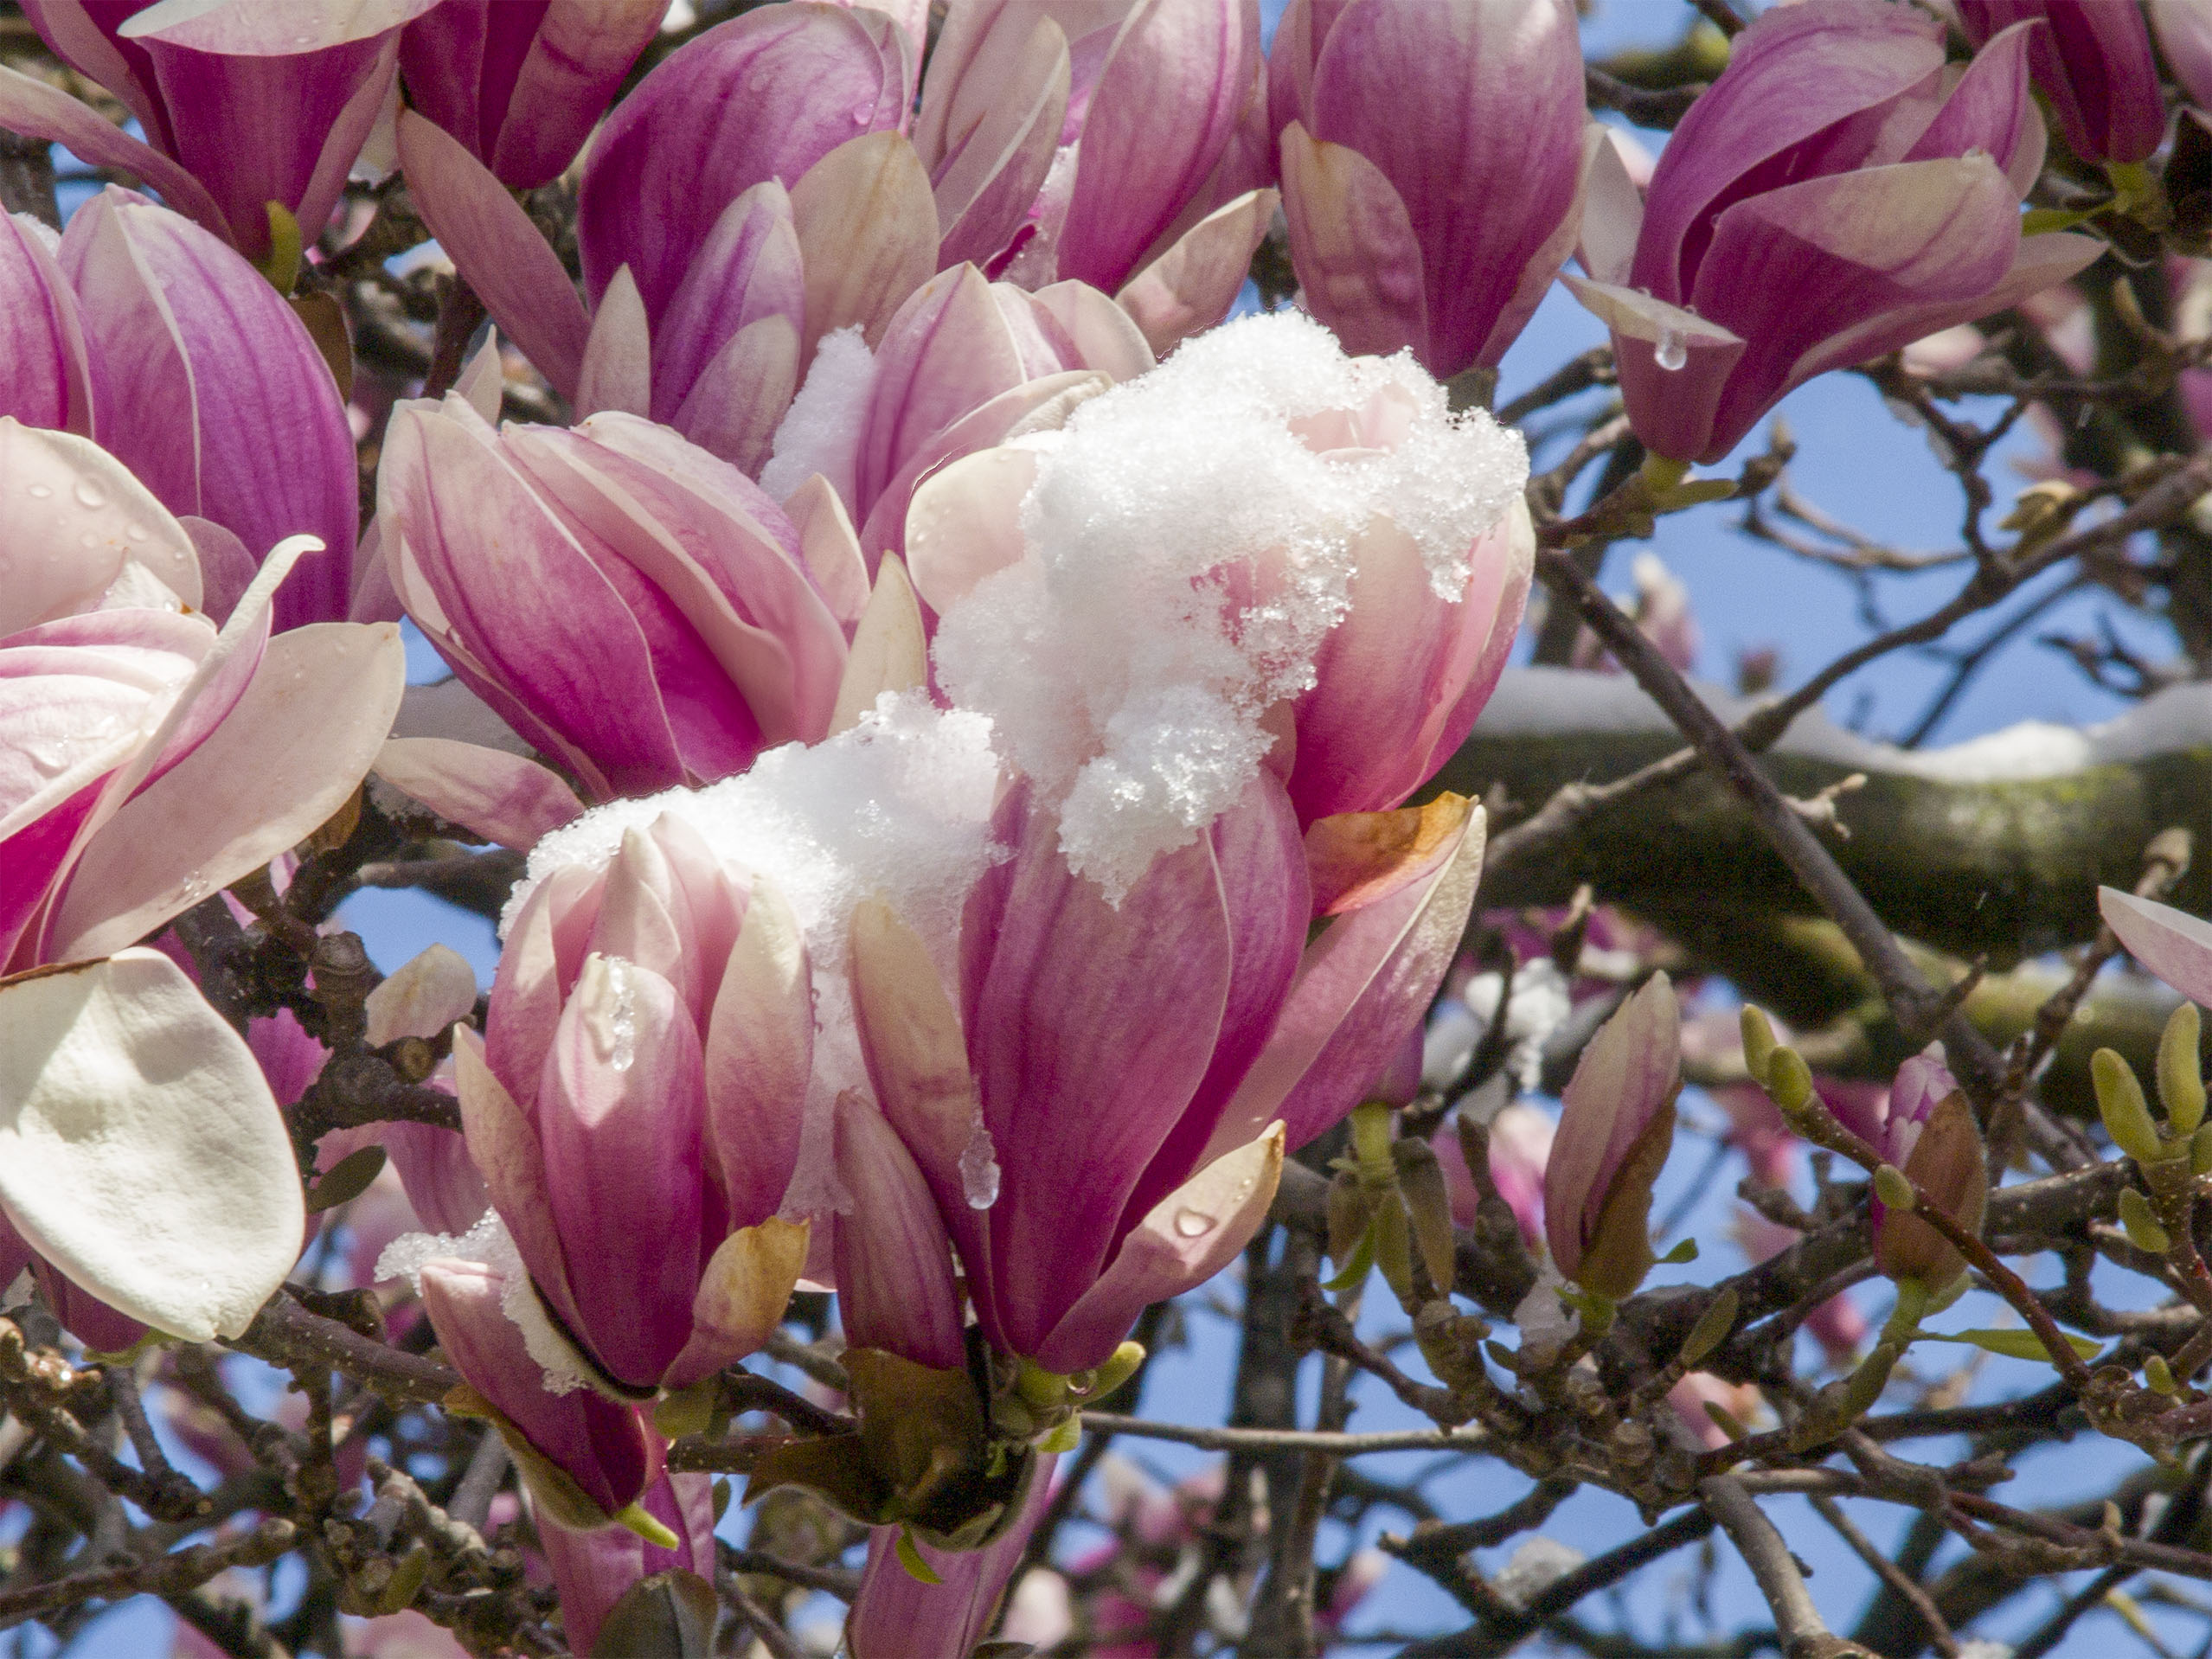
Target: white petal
(140, 1149)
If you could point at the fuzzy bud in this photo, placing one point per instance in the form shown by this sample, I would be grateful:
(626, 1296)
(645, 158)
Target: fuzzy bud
(2121, 1105)
(2181, 1075)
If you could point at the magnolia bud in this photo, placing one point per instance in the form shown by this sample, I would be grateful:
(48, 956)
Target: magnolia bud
(1428, 1205)
(1789, 1081)
(1891, 1187)
(2200, 1151)
(2121, 1105)
(2159, 1375)
(1947, 1168)
(1712, 1327)
(2181, 1078)
(1758, 1042)
(2143, 1229)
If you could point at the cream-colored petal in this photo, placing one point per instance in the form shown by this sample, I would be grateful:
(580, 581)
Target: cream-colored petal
(140, 1149)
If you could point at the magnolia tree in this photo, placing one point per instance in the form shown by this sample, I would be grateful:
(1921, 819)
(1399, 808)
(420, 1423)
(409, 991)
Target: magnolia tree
(976, 565)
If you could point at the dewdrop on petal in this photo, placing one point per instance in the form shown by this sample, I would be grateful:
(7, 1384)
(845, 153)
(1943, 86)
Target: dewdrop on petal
(1190, 539)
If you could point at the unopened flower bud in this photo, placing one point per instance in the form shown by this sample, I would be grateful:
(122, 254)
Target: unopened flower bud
(1891, 1187)
(2121, 1105)
(2181, 1076)
(1712, 1327)
(1119, 1367)
(2143, 1229)
(1789, 1081)
(2159, 1375)
(1429, 1206)
(1758, 1042)
(1946, 1167)
(2200, 1151)
(1351, 1208)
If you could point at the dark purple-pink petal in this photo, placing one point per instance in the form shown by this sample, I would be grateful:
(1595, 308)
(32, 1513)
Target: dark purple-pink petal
(764, 96)
(1792, 74)
(1090, 1028)
(620, 1114)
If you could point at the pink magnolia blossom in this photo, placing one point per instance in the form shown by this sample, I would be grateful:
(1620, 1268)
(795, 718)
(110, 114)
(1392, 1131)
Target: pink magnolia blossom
(1520, 1148)
(627, 602)
(245, 105)
(147, 758)
(1927, 1129)
(633, 1105)
(143, 330)
(1117, 1182)
(1441, 229)
(1616, 1127)
(1837, 194)
(521, 82)
(2092, 61)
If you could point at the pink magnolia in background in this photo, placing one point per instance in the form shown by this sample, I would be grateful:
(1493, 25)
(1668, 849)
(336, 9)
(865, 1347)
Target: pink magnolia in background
(1836, 195)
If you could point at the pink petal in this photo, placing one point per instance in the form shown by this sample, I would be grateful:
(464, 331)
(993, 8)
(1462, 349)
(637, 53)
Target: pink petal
(1165, 108)
(895, 1264)
(307, 728)
(1191, 287)
(2170, 943)
(36, 110)
(490, 240)
(1188, 1237)
(1359, 266)
(1361, 986)
(503, 798)
(867, 233)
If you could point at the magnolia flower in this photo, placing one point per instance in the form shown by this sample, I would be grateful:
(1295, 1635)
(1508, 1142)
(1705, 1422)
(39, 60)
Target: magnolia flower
(1520, 1149)
(247, 106)
(2092, 61)
(1900, 217)
(1363, 551)
(634, 1106)
(522, 84)
(1616, 1127)
(1152, 147)
(1927, 1129)
(625, 600)
(147, 758)
(141, 329)
(1116, 1184)
(1441, 232)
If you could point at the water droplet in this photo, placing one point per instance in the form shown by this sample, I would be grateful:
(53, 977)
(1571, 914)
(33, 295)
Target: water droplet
(40, 491)
(979, 1169)
(1192, 1224)
(135, 531)
(89, 539)
(194, 888)
(89, 494)
(1670, 353)
(48, 757)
